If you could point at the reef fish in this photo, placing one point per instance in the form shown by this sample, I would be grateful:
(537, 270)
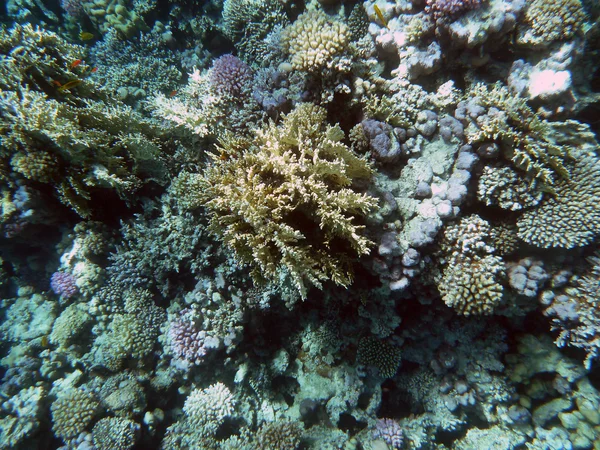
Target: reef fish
(380, 15)
(85, 36)
(69, 85)
(75, 63)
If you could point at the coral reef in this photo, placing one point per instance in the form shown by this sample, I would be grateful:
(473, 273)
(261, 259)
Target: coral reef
(176, 176)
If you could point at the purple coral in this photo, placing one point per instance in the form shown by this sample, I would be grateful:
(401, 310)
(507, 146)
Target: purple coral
(63, 284)
(449, 9)
(230, 75)
(187, 339)
(390, 431)
(73, 8)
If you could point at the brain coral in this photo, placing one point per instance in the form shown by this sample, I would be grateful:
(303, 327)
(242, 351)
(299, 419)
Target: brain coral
(313, 41)
(284, 202)
(570, 217)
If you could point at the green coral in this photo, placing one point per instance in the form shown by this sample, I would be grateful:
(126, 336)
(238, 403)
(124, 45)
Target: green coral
(284, 201)
(75, 140)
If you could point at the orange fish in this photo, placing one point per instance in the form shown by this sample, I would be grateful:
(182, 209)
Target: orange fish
(172, 93)
(75, 63)
(69, 85)
(94, 70)
(56, 83)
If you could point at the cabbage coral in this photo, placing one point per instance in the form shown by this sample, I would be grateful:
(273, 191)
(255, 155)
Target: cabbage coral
(284, 201)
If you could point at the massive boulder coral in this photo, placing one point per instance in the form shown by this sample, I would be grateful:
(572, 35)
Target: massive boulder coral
(284, 201)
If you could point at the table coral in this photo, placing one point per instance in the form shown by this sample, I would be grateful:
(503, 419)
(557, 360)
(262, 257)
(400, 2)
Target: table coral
(284, 202)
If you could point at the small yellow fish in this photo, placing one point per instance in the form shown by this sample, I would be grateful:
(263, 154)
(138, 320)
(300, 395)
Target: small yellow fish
(380, 15)
(85, 36)
(69, 85)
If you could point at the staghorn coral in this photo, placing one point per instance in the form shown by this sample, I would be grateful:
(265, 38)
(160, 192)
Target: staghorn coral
(74, 140)
(72, 412)
(545, 22)
(314, 40)
(284, 202)
(493, 114)
(570, 217)
(470, 282)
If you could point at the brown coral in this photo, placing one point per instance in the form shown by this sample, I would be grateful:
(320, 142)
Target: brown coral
(286, 204)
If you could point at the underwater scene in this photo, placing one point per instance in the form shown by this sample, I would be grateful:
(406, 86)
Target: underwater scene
(300, 224)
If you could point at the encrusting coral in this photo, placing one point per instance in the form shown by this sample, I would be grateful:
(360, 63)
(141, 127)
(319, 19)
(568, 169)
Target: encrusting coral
(284, 202)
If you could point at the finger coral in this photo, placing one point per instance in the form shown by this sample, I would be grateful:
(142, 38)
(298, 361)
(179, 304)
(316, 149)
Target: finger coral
(285, 204)
(470, 280)
(314, 40)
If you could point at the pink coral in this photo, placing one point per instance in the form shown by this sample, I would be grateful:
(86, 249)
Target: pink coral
(230, 75)
(63, 284)
(187, 339)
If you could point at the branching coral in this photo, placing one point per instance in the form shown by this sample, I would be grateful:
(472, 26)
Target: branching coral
(71, 139)
(495, 115)
(570, 217)
(470, 281)
(314, 40)
(574, 311)
(284, 202)
(545, 22)
(205, 109)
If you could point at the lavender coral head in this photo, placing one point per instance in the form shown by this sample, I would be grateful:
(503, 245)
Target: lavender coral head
(230, 75)
(449, 9)
(73, 8)
(187, 339)
(63, 284)
(390, 431)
